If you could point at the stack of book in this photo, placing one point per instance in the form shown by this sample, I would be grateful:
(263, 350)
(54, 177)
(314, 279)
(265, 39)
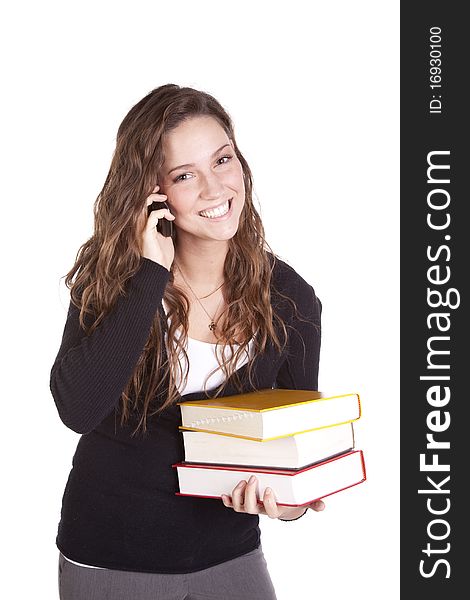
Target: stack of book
(300, 443)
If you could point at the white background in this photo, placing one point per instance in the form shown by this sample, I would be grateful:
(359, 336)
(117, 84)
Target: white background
(313, 91)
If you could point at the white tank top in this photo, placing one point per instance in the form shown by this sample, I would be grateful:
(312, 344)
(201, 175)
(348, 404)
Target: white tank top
(202, 360)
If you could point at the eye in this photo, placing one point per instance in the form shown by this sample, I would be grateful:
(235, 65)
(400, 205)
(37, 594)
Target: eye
(180, 177)
(222, 158)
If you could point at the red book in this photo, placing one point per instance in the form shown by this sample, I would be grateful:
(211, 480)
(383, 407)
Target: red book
(291, 487)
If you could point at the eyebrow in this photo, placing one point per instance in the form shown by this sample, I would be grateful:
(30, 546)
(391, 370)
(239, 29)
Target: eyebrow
(192, 165)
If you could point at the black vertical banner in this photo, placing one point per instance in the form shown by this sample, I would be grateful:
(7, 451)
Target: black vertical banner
(435, 357)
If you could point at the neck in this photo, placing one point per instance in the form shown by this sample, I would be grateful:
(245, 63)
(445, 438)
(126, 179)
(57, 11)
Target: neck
(202, 264)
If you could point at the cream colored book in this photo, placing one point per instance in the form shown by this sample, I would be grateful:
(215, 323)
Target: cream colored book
(269, 414)
(293, 452)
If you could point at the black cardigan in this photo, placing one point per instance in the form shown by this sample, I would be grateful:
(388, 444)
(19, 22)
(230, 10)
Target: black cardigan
(119, 508)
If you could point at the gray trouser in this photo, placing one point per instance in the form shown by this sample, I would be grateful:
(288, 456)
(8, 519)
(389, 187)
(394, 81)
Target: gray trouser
(245, 577)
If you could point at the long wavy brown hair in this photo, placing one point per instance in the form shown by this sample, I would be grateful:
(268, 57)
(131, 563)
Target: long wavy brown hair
(112, 255)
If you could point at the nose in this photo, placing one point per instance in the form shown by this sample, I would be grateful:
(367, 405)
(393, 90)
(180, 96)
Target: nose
(211, 187)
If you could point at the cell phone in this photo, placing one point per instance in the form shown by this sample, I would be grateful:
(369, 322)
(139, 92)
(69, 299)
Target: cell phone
(164, 226)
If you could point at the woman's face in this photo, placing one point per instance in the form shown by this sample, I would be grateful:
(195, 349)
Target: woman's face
(202, 173)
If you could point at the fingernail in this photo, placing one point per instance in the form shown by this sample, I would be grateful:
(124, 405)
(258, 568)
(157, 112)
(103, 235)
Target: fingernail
(252, 479)
(268, 491)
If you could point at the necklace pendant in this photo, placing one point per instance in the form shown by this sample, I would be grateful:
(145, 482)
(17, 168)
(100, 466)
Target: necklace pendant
(212, 326)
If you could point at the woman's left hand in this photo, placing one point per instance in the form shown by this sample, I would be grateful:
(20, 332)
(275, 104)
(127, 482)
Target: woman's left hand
(244, 500)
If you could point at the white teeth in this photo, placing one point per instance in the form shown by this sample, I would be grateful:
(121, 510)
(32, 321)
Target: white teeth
(216, 212)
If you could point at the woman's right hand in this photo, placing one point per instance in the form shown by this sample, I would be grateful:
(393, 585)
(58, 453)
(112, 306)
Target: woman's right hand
(156, 246)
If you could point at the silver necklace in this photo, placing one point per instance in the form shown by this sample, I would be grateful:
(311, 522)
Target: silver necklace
(212, 323)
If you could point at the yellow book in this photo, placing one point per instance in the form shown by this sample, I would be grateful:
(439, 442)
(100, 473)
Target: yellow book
(269, 413)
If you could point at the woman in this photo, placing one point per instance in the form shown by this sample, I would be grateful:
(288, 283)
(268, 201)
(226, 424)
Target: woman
(144, 309)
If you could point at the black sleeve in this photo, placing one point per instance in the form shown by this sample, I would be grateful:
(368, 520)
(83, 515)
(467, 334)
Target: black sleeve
(90, 373)
(299, 371)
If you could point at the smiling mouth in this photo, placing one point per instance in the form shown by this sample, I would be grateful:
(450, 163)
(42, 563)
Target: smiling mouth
(220, 211)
